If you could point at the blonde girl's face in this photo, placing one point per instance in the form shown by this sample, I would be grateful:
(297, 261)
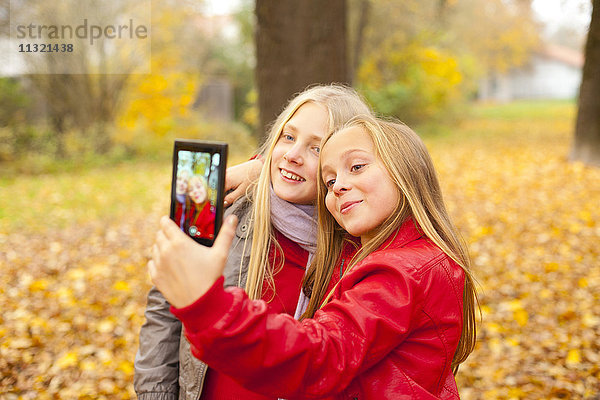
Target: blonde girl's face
(197, 191)
(181, 185)
(295, 157)
(360, 193)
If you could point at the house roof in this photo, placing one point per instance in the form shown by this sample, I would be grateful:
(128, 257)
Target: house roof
(563, 54)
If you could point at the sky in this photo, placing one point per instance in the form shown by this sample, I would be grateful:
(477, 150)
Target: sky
(220, 6)
(573, 13)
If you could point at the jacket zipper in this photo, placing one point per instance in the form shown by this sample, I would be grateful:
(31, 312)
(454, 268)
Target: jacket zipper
(203, 375)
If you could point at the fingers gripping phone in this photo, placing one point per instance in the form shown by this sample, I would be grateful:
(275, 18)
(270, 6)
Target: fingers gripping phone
(197, 188)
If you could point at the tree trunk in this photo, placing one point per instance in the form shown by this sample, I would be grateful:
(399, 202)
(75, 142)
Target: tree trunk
(586, 146)
(364, 9)
(298, 43)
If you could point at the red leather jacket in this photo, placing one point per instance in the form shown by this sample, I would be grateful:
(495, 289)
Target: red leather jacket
(203, 220)
(389, 332)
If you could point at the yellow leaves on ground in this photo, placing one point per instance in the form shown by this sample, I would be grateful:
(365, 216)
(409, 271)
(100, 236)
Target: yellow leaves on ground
(122, 286)
(73, 298)
(73, 307)
(519, 314)
(532, 222)
(573, 357)
(67, 360)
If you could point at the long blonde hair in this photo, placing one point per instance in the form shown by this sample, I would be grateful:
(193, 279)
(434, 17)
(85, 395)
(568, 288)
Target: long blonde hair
(410, 167)
(342, 103)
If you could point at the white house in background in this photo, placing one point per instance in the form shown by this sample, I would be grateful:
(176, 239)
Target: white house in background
(552, 73)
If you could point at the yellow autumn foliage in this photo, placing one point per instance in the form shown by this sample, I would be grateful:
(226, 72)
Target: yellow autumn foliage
(158, 107)
(156, 102)
(410, 81)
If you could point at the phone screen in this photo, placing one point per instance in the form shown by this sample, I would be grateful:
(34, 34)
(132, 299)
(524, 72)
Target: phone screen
(197, 189)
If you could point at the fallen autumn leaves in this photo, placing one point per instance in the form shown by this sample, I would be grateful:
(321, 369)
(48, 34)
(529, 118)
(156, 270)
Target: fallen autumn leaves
(532, 222)
(75, 304)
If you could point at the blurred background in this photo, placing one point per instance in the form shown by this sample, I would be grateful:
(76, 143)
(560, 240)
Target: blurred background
(504, 93)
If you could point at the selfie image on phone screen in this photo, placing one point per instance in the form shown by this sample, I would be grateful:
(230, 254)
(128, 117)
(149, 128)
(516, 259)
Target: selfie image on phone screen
(196, 193)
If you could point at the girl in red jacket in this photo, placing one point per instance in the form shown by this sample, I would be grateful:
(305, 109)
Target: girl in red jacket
(396, 325)
(200, 214)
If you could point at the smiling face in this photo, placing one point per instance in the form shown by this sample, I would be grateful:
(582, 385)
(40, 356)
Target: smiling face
(360, 193)
(197, 190)
(295, 156)
(181, 186)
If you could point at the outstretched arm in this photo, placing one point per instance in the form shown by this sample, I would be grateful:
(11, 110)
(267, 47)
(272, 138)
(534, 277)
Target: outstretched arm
(275, 355)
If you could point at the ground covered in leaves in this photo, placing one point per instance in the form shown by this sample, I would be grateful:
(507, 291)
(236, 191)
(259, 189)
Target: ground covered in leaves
(73, 252)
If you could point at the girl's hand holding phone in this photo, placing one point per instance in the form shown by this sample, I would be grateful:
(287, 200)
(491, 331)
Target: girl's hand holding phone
(184, 270)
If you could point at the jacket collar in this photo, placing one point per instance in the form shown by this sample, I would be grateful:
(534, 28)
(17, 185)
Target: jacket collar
(406, 233)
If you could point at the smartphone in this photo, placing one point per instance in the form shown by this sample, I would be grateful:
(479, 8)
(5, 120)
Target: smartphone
(197, 188)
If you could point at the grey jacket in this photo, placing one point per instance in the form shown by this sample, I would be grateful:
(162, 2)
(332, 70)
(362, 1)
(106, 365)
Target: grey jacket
(165, 368)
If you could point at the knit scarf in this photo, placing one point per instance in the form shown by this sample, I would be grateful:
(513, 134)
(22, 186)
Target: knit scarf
(298, 223)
